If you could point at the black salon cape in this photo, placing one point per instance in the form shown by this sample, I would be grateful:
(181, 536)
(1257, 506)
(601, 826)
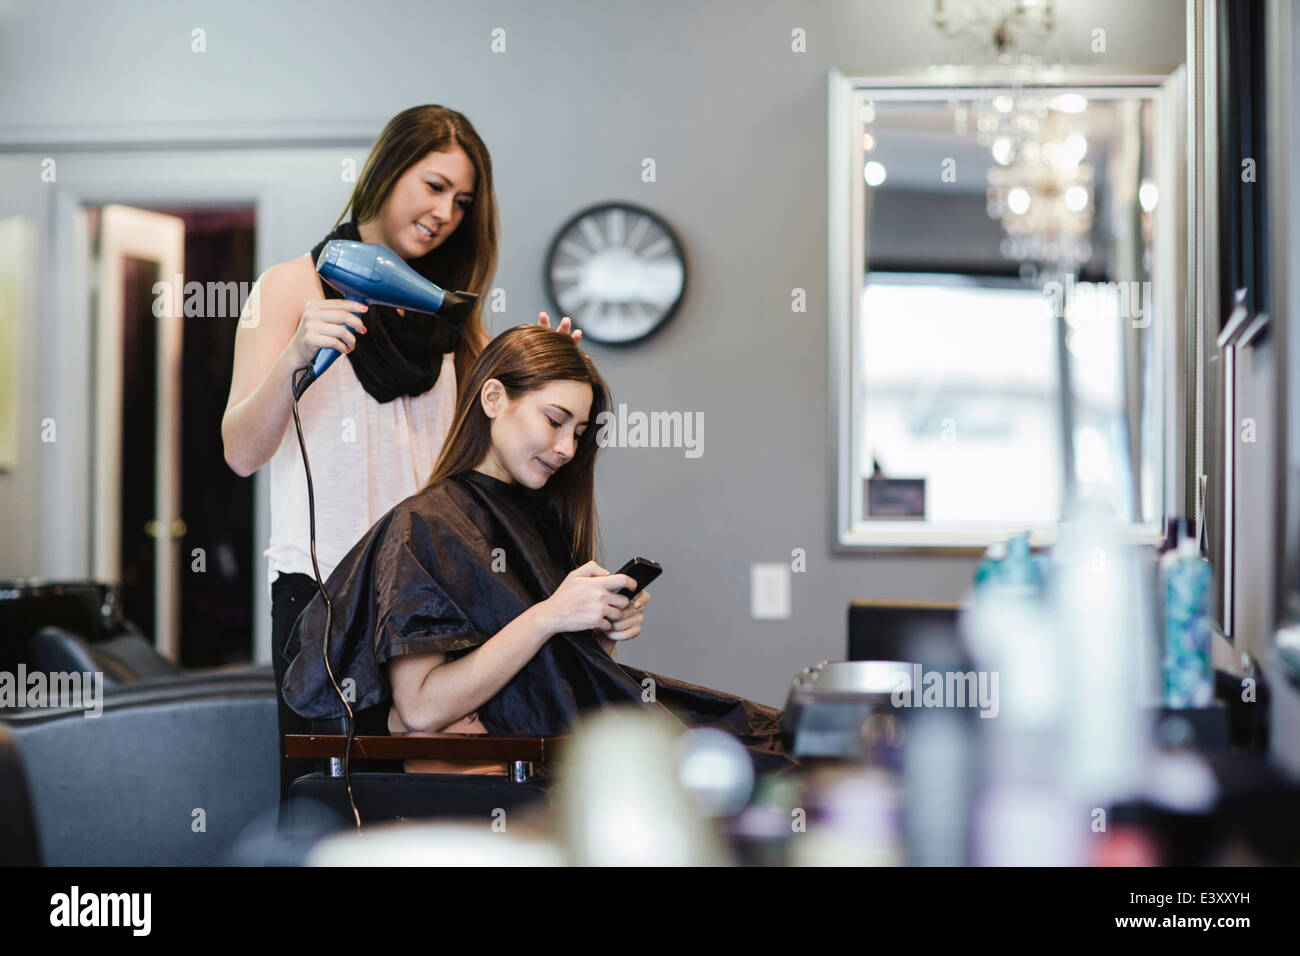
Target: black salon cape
(448, 568)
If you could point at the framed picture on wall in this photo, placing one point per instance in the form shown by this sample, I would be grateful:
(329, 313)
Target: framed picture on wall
(1243, 220)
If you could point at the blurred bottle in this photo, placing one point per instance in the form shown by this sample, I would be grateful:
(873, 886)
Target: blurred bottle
(1011, 563)
(990, 565)
(1022, 569)
(853, 818)
(1022, 814)
(1105, 621)
(1186, 580)
(621, 801)
(850, 811)
(938, 785)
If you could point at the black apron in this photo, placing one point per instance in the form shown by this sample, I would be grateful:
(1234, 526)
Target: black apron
(428, 577)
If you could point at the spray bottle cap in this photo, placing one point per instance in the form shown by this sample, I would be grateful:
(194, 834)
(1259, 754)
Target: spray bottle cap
(1018, 547)
(1020, 569)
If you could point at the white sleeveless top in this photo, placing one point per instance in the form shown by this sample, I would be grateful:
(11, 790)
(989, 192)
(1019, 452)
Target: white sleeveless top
(365, 456)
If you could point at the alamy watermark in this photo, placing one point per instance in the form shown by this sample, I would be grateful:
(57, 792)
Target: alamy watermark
(1129, 299)
(130, 910)
(922, 688)
(76, 689)
(205, 300)
(624, 429)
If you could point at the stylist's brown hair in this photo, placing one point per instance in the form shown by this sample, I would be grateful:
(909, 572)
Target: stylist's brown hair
(467, 260)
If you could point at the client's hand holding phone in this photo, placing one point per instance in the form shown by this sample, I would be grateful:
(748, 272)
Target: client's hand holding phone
(587, 598)
(591, 598)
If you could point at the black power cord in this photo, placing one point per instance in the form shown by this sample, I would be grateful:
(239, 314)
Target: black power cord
(302, 378)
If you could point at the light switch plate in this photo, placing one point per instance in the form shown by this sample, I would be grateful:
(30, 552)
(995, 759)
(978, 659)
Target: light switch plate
(769, 592)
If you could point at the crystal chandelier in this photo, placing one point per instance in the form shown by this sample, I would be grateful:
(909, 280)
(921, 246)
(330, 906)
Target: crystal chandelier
(1041, 189)
(1003, 31)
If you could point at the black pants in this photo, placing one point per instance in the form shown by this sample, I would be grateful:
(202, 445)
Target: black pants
(290, 593)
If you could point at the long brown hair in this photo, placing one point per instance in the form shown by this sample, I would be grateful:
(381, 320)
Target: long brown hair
(467, 260)
(523, 359)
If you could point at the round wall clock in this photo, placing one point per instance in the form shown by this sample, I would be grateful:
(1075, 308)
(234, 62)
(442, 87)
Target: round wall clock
(617, 270)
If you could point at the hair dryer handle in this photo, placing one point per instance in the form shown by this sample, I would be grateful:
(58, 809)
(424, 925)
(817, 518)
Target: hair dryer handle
(324, 358)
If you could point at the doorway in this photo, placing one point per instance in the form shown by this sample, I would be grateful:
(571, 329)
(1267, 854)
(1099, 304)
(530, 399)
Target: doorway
(173, 524)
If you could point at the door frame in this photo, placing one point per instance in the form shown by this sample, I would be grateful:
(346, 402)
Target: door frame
(66, 320)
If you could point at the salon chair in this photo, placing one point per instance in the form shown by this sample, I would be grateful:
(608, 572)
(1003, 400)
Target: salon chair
(75, 627)
(170, 772)
(89, 609)
(388, 795)
(925, 632)
(19, 845)
(122, 659)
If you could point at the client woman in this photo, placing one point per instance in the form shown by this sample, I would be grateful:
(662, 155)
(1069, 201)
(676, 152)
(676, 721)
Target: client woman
(477, 602)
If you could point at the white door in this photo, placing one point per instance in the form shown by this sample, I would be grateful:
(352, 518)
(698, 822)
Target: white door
(136, 234)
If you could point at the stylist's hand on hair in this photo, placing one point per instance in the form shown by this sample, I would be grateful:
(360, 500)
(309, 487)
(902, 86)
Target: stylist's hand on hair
(544, 321)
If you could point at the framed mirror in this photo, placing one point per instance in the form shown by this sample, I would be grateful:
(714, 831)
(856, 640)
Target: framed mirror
(1007, 291)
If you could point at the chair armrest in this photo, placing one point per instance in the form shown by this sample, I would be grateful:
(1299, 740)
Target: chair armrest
(466, 747)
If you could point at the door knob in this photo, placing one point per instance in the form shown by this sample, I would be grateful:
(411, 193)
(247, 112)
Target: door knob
(177, 530)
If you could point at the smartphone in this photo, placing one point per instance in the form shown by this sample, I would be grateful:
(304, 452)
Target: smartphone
(643, 571)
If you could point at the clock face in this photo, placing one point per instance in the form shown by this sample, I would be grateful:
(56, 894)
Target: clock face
(617, 270)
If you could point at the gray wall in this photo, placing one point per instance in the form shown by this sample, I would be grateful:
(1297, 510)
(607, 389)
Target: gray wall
(736, 124)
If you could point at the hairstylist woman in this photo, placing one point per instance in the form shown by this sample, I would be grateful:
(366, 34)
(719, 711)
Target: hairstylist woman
(374, 423)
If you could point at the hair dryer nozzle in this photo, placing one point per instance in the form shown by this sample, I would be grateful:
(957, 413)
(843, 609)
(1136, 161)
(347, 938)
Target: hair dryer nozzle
(456, 308)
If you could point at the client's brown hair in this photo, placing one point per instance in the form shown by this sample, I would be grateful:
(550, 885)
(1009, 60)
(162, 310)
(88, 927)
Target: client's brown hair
(524, 359)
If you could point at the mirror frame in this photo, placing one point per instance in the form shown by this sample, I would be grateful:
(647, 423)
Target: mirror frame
(1284, 213)
(846, 252)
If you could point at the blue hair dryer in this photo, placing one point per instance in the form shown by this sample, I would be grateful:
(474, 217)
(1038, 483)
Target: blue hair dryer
(373, 274)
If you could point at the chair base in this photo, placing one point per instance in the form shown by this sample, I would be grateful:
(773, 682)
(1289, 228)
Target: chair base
(319, 803)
